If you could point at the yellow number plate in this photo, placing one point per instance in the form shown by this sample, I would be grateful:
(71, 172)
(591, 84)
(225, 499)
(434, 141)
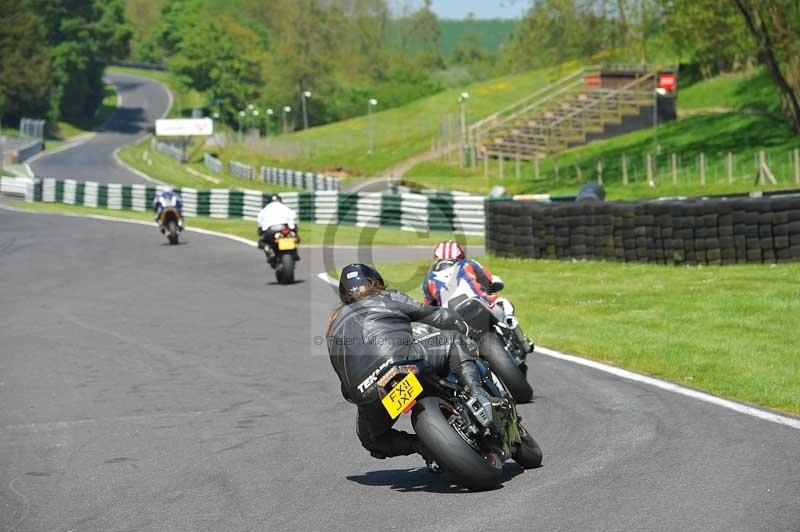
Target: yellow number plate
(287, 244)
(402, 395)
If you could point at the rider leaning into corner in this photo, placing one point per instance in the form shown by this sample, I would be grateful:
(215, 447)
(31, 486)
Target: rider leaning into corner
(274, 217)
(373, 328)
(454, 277)
(167, 198)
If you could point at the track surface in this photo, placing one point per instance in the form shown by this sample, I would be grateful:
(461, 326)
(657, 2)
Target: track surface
(143, 101)
(157, 388)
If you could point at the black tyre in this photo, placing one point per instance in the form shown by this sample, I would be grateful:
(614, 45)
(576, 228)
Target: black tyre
(284, 272)
(464, 464)
(528, 454)
(172, 232)
(494, 352)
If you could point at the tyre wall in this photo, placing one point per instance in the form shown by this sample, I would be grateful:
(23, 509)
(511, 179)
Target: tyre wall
(711, 231)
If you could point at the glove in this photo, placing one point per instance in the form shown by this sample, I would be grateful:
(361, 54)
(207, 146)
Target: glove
(471, 332)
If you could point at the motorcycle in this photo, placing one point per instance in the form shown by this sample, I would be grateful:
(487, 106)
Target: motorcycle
(468, 436)
(502, 344)
(280, 247)
(170, 222)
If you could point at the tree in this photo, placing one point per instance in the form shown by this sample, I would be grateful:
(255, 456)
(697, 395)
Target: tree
(25, 62)
(775, 25)
(222, 59)
(423, 34)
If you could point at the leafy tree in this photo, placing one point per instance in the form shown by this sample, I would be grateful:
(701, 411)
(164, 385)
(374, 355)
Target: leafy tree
(25, 66)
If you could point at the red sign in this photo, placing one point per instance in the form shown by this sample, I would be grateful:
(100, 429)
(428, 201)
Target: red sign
(668, 82)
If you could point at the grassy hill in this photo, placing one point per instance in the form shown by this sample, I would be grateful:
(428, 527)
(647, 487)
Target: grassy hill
(732, 113)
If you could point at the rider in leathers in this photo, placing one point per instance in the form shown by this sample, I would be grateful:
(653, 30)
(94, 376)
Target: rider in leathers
(373, 328)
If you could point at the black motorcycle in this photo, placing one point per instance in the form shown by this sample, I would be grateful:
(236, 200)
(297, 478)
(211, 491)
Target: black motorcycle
(280, 246)
(170, 224)
(468, 436)
(502, 345)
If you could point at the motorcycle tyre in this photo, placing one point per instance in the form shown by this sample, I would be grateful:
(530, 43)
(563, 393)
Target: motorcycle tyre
(456, 457)
(494, 352)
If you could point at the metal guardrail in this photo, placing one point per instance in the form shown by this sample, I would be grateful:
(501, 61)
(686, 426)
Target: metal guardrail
(168, 149)
(212, 163)
(241, 170)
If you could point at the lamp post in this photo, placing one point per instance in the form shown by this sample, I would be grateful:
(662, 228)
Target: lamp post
(267, 118)
(241, 116)
(250, 108)
(255, 118)
(286, 110)
(462, 100)
(372, 102)
(305, 95)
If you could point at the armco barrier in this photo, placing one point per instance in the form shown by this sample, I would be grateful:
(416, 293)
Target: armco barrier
(370, 209)
(168, 149)
(711, 231)
(212, 163)
(298, 179)
(241, 170)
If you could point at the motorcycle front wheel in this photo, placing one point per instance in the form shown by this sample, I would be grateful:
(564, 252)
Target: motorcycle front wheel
(494, 352)
(460, 460)
(528, 454)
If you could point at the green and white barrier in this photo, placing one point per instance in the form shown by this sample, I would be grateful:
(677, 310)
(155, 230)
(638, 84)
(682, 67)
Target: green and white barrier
(407, 211)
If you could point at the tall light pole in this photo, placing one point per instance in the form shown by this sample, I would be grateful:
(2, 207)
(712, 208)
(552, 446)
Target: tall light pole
(372, 102)
(250, 108)
(241, 116)
(267, 118)
(305, 95)
(255, 119)
(462, 100)
(286, 110)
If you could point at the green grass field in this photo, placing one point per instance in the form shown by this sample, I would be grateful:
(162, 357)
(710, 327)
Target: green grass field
(710, 134)
(744, 91)
(731, 330)
(164, 168)
(311, 233)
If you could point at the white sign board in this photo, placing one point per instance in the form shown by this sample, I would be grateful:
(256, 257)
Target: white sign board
(184, 127)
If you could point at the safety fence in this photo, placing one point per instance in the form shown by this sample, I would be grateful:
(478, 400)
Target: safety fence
(710, 231)
(298, 179)
(212, 163)
(168, 149)
(413, 212)
(241, 170)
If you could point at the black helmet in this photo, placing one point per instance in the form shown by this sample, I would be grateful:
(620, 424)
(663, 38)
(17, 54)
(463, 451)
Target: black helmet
(357, 278)
(275, 197)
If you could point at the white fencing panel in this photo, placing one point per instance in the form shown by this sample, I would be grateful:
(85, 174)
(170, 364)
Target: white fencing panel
(326, 207)
(90, 194)
(139, 198)
(114, 196)
(189, 197)
(219, 203)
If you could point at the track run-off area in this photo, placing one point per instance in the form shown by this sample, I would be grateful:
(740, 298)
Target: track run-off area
(178, 388)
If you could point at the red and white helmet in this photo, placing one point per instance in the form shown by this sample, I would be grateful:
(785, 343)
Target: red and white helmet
(449, 249)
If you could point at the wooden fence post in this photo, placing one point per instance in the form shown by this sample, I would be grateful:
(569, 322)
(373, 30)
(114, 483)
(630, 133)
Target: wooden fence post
(702, 169)
(500, 162)
(624, 170)
(650, 181)
(796, 154)
(730, 168)
(763, 169)
(486, 165)
(517, 163)
(556, 162)
(536, 166)
(578, 175)
(600, 172)
(674, 169)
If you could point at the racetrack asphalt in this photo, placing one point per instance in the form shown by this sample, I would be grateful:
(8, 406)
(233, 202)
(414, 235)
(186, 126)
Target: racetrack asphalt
(176, 388)
(143, 101)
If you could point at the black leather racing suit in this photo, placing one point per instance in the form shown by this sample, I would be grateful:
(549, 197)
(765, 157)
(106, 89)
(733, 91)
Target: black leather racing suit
(367, 333)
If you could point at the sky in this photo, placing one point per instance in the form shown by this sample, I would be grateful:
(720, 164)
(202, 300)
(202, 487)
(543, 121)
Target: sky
(459, 9)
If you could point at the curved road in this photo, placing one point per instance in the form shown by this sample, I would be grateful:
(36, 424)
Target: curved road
(156, 388)
(149, 387)
(143, 101)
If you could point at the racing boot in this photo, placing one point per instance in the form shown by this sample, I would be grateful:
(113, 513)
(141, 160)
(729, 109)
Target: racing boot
(520, 338)
(430, 463)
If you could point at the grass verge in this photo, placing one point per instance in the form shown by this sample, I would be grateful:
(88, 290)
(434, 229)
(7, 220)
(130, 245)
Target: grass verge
(732, 331)
(311, 233)
(712, 135)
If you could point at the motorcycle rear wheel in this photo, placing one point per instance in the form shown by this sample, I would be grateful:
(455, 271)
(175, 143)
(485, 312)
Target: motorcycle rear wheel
(284, 271)
(172, 232)
(464, 464)
(494, 352)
